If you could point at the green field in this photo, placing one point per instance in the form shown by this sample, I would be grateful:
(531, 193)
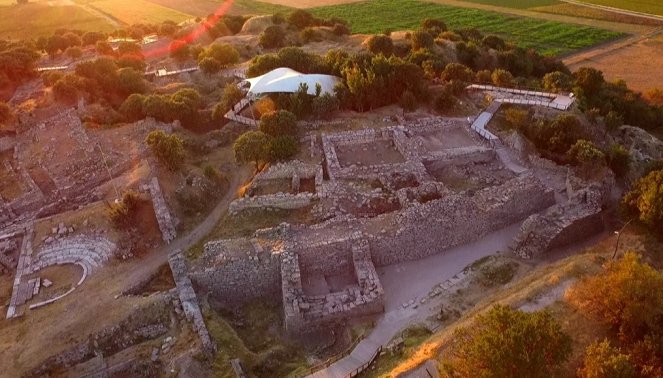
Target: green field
(33, 20)
(645, 6)
(138, 11)
(202, 8)
(518, 4)
(547, 37)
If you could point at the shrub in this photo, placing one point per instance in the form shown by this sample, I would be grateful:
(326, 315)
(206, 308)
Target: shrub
(619, 160)
(122, 213)
(324, 105)
(168, 148)
(74, 52)
(310, 34)
(132, 107)
(272, 37)
(457, 71)
(341, 29)
(283, 147)
(645, 201)
(517, 118)
(209, 65)
(224, 54)
(603, 360)
(422, 39)
(231, 96)
(380, 44)
(444, 101)
(585, 152)
(502, 78)
(301, 19)
(509, 343)
(612, 121)
(557, 82)
(493, 42)
(434, 26)
(278, 123)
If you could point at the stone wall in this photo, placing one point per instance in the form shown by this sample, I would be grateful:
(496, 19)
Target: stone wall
(239, 270)
(189, 301)
(278, 201)
(165, 220)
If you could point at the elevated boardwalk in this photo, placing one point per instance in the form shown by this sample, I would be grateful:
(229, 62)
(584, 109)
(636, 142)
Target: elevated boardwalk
(234, 114)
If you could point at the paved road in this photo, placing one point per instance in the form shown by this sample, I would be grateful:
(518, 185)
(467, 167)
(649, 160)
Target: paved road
(413, 280)
(157, 258)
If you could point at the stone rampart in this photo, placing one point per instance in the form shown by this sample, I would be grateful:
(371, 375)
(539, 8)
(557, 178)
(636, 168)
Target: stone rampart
(278, 201)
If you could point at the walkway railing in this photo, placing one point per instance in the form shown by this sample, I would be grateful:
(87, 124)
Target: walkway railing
(368, 363)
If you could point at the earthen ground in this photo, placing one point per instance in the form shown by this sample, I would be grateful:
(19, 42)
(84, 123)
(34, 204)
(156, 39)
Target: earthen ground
(267, 187)
(367, 154)
(639, 64)
(11, 185)
(63, 277)
(452, 138)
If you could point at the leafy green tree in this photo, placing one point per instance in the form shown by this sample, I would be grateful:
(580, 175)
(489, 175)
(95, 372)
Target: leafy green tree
(231, 96)
(585, 152)
(645, 201)
(380, 44)
(272, 37)
(131, 81)
(557, 82)
(168, 148)
(277, 123)
(132, 107)
(282, 147)
(627, 296)
(324, 105)
(209, 65)
(508, 343)
(605, 361)
(252, 146)
(225, 54)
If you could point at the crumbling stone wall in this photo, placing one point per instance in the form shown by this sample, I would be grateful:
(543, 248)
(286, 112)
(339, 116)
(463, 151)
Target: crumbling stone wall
(238, 270)
(279, 201)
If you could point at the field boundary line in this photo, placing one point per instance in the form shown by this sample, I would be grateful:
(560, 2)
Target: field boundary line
(607, 48)
(615, 10)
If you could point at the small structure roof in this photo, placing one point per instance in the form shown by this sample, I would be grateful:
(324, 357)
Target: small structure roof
(286, 80)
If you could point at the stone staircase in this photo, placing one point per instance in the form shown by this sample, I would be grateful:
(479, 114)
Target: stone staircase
(88, 252)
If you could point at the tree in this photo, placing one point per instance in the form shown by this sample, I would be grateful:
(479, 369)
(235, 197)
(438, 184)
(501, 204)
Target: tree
(493, 42)
(612, 121)
(73, 39)
(408, 101)
(272, 37)
(557, 82)
(509, 343)
(66, 90)
(168, 148)
(627, 296)
(282, 147)
(123, 213)
(91, 38)
(252, 146)
(103, 48)
(444, 100)
(619, 159)
(655, 97)
(231, 96)
(585, 152)
(380, 44)
(280, 122)
(589, 80)
(209, 65)
(324, 105)
(310, 34)
(422, 39)
(605, 361)
(131, 81)
(645, 201)
(179, 50)
(129, 48)
(132, 107)
(502, 78)
(225, 54)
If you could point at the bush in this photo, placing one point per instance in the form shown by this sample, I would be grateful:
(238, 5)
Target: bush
(433, 26)
(310, 34)
(645, 201)
(168, 148)
(341, 29)
(231, 96)
(619, 160)
(517, 118)
(509, 343)
(604, 361)
(422, 39)
(324, 105)
(74, 52)
(301, 19)
(224, 54)
(132, 107)
(122, 214)
(380, 44)
(502, 78)
(283, 147)
(444, 101)
(209, 65)
(278, 123)
(272, 37)
(585, 152)
(457, 71)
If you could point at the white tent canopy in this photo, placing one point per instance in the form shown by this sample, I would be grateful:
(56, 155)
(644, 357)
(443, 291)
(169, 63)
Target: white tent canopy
(286, 80)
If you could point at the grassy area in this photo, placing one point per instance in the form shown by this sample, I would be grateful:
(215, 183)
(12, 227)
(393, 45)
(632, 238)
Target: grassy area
(138, 11)
(645, 6)
(33, 20)
(250, 7)
(548, 37)
(518, 4)
(568, 9)
(202, 8)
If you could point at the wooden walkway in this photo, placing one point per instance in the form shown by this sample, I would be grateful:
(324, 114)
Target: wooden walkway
(234, 114)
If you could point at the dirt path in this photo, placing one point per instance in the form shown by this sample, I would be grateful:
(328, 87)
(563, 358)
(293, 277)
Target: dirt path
(615, 10)
(154, 260)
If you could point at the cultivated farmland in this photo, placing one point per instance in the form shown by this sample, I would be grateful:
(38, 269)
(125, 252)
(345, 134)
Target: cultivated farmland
(551, 38)
(138, 11)
(518, 4)
(33, 20)
(202, 8)
(645, 6)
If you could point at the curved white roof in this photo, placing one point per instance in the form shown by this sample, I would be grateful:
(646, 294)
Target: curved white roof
(286, 80)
